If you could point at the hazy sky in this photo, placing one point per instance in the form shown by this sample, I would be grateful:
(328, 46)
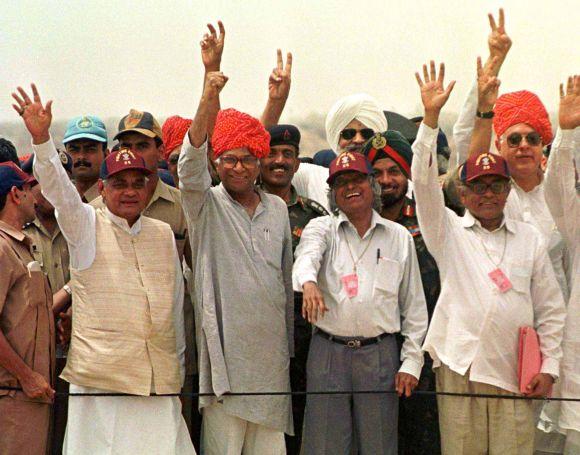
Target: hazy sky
(104, 57)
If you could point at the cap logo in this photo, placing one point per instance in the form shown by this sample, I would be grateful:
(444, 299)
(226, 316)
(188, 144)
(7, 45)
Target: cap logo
(133, 119)
(286, 136)
(85, 123)
(379, 141)
(485, 160)
(125, 155)
(346, 158)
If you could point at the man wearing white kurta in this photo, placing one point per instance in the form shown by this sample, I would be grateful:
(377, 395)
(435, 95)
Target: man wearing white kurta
(495, 278)
(564, 203)
(127, 333)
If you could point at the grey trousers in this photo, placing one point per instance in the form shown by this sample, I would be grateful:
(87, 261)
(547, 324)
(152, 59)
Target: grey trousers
(333, 422)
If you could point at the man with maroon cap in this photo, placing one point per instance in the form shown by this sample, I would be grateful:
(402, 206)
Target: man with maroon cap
(127, 335)
(495, 278)
(242, 247)
(361, 284)
(26, 324)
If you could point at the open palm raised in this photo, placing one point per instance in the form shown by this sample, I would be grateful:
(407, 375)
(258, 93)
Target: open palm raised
(37, 118)
(433, 94)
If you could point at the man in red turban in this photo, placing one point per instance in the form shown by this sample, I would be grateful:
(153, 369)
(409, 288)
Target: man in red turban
(174, 130)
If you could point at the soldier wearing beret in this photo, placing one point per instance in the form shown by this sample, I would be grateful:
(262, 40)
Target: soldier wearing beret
(276, 172)
(390, 155)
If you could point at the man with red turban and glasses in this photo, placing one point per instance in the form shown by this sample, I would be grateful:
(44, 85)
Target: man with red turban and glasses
(242, 250)
(174, 130)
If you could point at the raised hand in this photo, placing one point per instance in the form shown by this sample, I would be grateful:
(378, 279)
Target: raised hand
(212, 47)
(279, 81)
(569, 113)
(487, 86)
(37, 118)
(214, 83)
(433, 94)
(499, 42)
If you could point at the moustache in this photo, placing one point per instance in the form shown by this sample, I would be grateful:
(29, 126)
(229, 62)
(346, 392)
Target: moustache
(82, 163)
(279, 166)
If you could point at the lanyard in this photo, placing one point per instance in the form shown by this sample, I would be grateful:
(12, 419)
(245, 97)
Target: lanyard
(355, 262)
(502, 253)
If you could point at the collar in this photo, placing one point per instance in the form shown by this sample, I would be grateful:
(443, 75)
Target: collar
(163, 191)
(376, 219)
(263, 199)
(468, 221)
(535, 190)
(408, 209)
(123, 224)
(42, 229)
(92, 193)
(17, 235)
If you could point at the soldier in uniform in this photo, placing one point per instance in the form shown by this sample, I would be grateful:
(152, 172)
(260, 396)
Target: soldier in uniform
(390, 155)
(276, 173)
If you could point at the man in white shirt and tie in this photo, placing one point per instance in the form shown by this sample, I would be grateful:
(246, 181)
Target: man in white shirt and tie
(361, 283)
(495, 278)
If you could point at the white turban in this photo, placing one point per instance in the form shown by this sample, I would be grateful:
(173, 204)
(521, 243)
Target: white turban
(360, 107)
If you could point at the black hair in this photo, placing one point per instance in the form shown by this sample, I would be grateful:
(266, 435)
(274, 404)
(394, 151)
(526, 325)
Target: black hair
(2, 201)
(8, 152)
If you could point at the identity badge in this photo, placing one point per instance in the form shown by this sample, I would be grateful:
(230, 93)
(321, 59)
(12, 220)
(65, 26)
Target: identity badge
(500, 279)
(350, 283)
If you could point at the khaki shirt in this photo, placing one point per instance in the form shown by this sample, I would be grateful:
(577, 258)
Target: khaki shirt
(26, 319)
(51, 251)
(91, 194)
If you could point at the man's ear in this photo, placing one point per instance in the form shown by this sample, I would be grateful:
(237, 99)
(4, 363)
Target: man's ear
(497, 145)
(15, 196)
(101, 187)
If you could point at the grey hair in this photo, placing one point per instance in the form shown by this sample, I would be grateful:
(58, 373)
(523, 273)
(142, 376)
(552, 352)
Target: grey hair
(375, 187)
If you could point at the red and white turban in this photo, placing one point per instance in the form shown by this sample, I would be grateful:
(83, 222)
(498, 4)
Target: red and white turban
(234, 129)
(522, 107)
(174, 130)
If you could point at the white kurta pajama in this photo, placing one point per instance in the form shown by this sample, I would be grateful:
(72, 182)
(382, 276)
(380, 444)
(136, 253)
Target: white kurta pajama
(243, 301)
(116, 425)
(564, 204)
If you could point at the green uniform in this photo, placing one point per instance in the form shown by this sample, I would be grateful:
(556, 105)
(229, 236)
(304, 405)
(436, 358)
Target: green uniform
(418, 417)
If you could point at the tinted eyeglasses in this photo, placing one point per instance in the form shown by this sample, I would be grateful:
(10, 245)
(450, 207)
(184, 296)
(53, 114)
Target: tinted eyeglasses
(350, 133)
(515, 139)
(498, 187)
(231, 161)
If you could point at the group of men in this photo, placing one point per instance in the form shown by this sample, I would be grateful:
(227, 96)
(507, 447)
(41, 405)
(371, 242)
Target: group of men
(257, 276)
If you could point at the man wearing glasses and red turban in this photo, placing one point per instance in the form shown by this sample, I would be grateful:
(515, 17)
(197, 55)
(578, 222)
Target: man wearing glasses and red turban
(243, 299)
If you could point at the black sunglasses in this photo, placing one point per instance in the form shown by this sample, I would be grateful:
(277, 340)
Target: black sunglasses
(495, 187)
(349, 133)
(515, 139)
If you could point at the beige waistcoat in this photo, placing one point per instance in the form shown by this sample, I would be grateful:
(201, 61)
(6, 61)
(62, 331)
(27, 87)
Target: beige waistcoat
(123, 334)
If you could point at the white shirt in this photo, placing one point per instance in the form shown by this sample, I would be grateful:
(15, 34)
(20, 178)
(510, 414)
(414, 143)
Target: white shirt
(77, 221)
(474, 325)
(390, 294)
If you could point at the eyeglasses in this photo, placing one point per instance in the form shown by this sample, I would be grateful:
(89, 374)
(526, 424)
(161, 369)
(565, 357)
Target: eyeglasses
(495, 187)
(532, 139)
(231, 161)
(350, 133)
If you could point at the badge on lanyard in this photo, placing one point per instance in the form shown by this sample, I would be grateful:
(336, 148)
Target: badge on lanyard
(350, 283)
(500, 279)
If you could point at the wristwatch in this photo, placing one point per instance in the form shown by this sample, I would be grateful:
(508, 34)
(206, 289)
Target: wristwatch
(67, 288)
(489, 114)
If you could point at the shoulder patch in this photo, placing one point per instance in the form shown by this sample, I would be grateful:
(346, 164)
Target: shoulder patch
(318, 208)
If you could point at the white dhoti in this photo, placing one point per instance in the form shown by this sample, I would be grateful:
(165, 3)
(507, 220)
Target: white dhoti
(125, 425)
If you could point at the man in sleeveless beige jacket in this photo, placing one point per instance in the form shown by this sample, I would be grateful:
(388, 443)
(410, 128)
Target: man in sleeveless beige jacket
(127, 335)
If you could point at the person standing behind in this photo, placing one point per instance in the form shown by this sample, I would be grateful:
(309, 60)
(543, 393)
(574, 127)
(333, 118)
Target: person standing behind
(495, 278)
(242, 251)
(563, 201)
(26, 325)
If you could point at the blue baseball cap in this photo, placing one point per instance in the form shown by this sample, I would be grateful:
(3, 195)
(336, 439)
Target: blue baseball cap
(85, 127)
(11, 175)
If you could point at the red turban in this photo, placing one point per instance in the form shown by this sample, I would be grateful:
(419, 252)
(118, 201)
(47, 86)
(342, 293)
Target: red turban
(174, 130)
(234, 129)
(522, 107)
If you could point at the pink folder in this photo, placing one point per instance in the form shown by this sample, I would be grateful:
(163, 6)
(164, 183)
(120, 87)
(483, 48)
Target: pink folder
(529, 356)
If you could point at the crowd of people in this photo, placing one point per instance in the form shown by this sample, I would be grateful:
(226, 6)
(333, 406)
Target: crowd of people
(182, 283)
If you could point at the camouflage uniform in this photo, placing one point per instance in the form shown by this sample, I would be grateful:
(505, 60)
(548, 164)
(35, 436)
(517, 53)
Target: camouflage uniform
(300, 211)
(418, 417)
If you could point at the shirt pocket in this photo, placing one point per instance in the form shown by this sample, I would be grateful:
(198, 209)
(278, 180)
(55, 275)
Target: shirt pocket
(521, 279)
(36, 292)
(386, 284)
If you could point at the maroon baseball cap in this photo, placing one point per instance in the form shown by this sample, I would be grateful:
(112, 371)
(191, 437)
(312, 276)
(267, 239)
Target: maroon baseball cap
(11, 175)
(484, 164)
(122, 160)
(348, 161)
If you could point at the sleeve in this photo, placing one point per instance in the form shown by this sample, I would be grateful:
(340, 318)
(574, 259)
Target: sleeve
(7, 275)
(287, 260)
(75, 219)
(178, 318)
(549, 310)
(310, 252)
(560, 186)
(463, 129)
(194, 178)
(413, 310)
(430, 203)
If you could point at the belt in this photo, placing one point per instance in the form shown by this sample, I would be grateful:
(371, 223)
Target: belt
(355, 344)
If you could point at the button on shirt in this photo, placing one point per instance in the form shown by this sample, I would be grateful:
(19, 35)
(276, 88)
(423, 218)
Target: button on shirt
(390, 296)
(474, 325)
